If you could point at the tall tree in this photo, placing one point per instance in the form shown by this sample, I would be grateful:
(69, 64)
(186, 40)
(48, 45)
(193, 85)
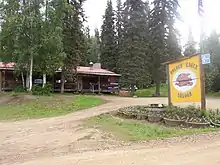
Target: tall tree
(24, 28)
(162, 19)
(43, 41)
(212, 71)
(190, 47)
(51, 51)
(173, 45)
(98, 40)
(108, 43)
(9, 16)
(94, 48)
(133, 58)
(74, 40)
(119, 23)
(32, 23)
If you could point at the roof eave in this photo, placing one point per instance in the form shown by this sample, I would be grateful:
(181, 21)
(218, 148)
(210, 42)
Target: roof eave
(7, 69)
(180, 59)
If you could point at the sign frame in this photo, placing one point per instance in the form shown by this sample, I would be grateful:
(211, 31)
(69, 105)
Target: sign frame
(202, 80)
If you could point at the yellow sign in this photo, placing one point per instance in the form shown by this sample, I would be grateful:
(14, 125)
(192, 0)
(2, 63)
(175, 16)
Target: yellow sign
(184, 78)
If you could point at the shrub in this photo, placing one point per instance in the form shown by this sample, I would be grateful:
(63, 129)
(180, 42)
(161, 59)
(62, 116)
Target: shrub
(42, 91)
(189, 114)
(19, 89)
(214, 116)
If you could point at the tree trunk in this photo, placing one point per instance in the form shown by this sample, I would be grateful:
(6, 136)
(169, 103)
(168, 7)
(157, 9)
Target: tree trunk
(44, 79)
(31, 72)
(157, 91)
(62, 82)
(22, 78)
(27, 81)
(132, 90)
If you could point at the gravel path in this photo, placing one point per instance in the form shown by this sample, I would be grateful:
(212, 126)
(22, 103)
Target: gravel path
(63, 141)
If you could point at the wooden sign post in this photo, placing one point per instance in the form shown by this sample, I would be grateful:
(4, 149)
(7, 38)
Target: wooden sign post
(202, 81)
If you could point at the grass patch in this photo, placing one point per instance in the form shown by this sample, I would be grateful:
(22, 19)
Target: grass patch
(213, 94)
(134, 130)
(21, 107)
(149, 92)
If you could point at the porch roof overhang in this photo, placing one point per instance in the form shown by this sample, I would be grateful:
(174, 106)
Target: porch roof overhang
(7, 66)
(94, 71)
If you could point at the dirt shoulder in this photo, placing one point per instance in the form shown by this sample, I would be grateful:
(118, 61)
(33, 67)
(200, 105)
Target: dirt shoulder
(181, 151)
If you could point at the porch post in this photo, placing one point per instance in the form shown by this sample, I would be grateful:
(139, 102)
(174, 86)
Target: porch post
(3, 80)
(99, 84)
(77, 83)
(0, 80)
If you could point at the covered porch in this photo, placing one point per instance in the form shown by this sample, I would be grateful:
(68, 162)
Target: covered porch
(87, 83)
(9, 80)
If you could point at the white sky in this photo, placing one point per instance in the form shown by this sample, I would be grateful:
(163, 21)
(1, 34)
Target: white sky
(95, 9)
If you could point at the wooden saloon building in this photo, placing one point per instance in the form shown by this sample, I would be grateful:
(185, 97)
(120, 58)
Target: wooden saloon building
(89, 79)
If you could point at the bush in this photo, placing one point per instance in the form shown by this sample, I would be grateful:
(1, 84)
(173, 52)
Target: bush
(19, 89)
(189, 114)
(42, 91)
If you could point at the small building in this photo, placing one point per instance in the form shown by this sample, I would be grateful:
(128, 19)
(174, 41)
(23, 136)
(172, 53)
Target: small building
(88, 79)
(8, 77)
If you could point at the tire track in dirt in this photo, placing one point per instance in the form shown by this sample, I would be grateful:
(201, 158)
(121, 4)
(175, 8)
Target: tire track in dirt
(56, 138)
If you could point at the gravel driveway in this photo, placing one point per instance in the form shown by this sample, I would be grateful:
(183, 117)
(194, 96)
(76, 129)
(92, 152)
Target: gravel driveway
(63, 141)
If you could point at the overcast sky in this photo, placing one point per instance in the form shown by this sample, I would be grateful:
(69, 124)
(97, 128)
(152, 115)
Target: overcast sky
(95, 9)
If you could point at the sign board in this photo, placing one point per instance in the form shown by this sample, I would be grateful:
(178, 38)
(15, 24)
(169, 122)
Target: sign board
(185, 80)
(206, 59)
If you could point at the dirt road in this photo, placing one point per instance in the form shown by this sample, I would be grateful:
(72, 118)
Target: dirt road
(63, 141)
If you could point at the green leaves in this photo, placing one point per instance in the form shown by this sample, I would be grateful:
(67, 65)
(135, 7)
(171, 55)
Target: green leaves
(212, 46)
(164, 38)
(133, 61)
(190, 47)
(49, 31)
(108, 39)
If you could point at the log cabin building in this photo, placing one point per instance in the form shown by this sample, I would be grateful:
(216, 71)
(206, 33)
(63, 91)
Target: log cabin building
(89, 79)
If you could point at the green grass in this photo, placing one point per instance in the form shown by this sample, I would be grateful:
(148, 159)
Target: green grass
(149, 92)
(134, 130)
(213, 94)
(22, 107)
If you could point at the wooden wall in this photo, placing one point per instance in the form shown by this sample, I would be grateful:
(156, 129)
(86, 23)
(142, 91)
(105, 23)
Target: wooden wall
(9, 80)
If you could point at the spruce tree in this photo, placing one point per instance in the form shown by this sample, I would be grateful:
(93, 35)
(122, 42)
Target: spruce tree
(162, 19)
(119, 23)
(98, 40)
(119, 27)
(133, 58)
(173, 46)
(108, 56)
(73, 40)
(212, 71)
(190, 47)
(93, 42)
